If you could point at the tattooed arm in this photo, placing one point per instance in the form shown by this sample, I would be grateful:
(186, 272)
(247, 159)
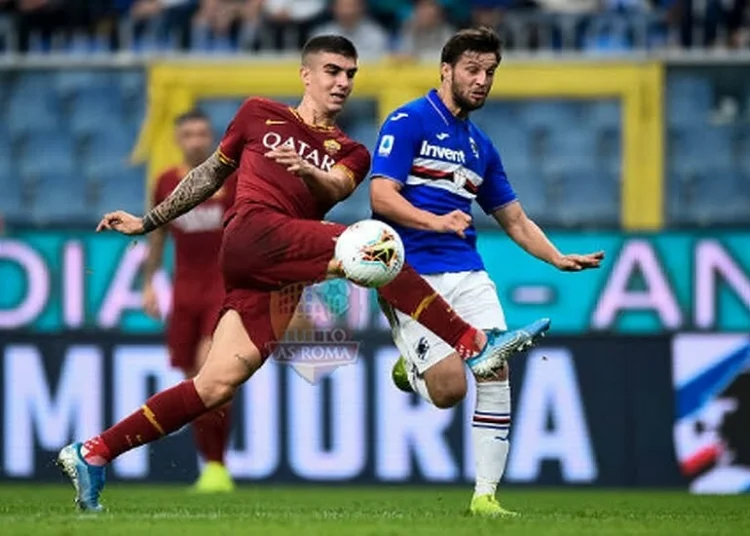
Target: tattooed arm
(199, 184)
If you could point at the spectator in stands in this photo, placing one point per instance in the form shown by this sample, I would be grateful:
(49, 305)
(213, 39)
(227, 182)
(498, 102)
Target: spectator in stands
(42, 17)
(422, 37)
(218, 22)
(570, 6)
(390, 13)
(163, 22)
(280, 24)
(488, 12)
(56, 24)
(351, 20)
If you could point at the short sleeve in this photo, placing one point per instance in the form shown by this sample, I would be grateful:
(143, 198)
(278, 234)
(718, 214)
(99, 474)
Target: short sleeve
(355, 164)
(495, 191)
(397, 146)
(235, 137)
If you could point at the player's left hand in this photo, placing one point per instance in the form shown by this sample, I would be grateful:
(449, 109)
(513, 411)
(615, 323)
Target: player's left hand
(288, 157)
(122, 222)
(576, 263)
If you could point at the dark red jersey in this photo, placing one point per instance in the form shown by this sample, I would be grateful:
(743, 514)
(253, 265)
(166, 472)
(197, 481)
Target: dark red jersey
(197, 235)
(262, 125)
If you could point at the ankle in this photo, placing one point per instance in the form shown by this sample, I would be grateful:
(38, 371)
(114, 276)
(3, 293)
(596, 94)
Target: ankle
(95, 452)
(485, 488)
(471, 343)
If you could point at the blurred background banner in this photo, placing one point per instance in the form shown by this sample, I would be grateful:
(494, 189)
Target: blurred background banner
(588, 411)
(61, 281)
(623, 125)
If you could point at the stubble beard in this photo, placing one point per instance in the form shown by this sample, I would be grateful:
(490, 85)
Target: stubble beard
(462, 102)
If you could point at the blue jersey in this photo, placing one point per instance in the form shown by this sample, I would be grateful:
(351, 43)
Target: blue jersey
(443, 163)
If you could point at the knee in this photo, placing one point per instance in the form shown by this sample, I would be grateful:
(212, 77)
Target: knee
(214, 392)
(447, 391)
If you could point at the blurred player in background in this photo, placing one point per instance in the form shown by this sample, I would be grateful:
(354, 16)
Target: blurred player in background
(431, 162)
(294, 166)
(198, 289)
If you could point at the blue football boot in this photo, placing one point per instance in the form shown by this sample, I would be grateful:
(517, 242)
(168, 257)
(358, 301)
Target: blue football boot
(87, 479)
(502, 345)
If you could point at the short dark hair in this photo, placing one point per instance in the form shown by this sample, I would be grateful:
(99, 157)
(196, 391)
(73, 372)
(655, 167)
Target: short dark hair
(482, 39)
(333, 44)
(196, 114)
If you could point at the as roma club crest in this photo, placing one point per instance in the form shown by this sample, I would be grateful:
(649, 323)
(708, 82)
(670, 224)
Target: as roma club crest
(331, 146)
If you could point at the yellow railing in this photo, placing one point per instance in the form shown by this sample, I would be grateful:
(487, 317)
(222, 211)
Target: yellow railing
(174, 88)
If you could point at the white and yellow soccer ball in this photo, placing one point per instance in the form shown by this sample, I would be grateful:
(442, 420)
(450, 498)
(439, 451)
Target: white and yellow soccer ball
(371, 253)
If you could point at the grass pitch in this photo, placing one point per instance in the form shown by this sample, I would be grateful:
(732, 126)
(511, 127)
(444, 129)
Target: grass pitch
(303, 511)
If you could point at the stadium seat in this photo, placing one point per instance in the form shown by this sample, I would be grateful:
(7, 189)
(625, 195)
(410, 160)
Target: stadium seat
(742, 141)
(6, 153)
(69, 83)
(603, 115)
(550, 114)
(516, 152)
(108, 151)
(47, 154)
(94, 111)
(531, 190)
(512, 141)
(11, 186)
(706, 147)
(584, 198)
(33, 106)
(570, 149)
(609, 151)
(63, 197)
(12, 200)
(221, 112)
(688, 100)
(709, 198)
(496, 113)
(132, 82)
(123, 188)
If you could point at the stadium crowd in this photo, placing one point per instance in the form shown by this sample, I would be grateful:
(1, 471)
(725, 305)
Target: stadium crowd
(402, 27)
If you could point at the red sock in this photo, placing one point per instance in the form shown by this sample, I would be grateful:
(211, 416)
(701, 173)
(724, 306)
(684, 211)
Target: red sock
(412, 295)
(212, 433)
(161, 415)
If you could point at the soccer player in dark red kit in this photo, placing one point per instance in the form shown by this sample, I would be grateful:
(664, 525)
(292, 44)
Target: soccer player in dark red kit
(294, 165)
(198, 288)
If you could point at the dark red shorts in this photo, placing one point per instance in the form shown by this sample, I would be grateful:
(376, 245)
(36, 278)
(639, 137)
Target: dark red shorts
(267, 259)
(188, 324)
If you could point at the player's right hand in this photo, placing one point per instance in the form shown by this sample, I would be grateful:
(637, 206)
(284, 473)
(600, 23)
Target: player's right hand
(453, 222)
(150, 302)
(122, 222)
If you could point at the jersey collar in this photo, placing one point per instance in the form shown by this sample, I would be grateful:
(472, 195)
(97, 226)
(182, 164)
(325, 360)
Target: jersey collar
(439, 106)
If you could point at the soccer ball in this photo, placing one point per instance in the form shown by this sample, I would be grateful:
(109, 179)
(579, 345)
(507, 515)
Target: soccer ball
(371, 253)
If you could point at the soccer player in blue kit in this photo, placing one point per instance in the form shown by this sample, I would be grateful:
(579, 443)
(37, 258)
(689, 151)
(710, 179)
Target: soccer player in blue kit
(430, 163)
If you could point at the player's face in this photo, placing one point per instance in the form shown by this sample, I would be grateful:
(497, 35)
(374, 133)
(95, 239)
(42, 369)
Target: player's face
(471, 79)
(329, 80)
(195, 140)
